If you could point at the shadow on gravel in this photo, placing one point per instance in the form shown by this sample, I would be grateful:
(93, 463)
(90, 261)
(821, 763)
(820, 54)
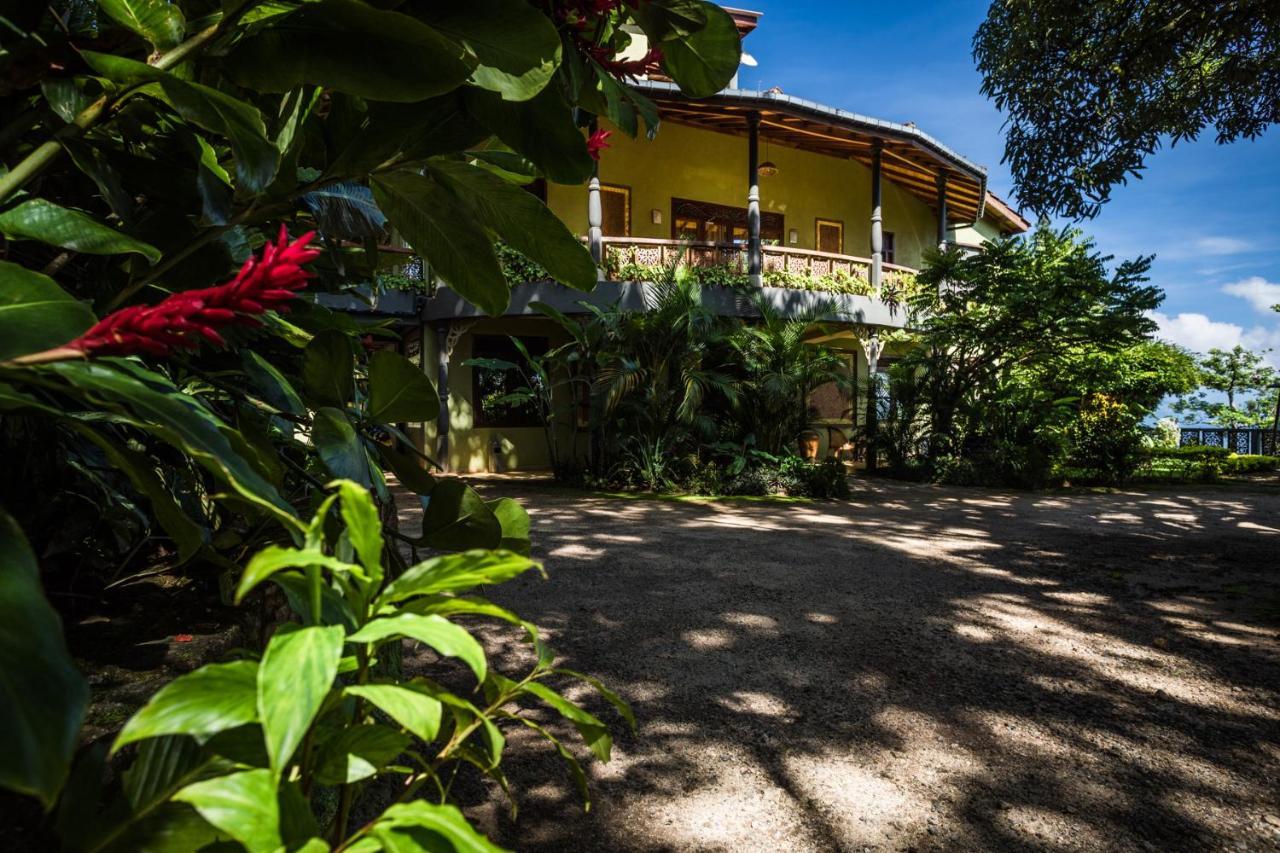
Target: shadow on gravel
(914, 668)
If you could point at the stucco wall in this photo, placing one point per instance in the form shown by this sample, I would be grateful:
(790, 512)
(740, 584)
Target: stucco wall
(686, 162)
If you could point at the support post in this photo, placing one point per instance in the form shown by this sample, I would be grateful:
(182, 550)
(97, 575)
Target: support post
(444, 349)
(595, 225)
(942, 212)
(872, 348)
(755, 259)
(877, 223)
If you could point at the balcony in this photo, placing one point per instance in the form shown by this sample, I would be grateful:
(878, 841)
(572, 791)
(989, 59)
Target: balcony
(645, 259)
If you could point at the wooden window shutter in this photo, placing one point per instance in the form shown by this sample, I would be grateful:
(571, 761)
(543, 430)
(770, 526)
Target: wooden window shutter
(616, 207)
(830, 236)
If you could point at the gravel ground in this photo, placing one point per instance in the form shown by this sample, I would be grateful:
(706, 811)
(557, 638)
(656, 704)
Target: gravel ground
(915, 668)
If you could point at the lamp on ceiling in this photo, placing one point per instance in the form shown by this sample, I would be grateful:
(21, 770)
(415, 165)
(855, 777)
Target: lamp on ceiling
(768, 168)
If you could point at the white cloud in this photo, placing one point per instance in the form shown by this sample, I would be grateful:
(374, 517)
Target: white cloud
(1259, 292)
(1222, 246)
(1197, 332)
(1200, 334)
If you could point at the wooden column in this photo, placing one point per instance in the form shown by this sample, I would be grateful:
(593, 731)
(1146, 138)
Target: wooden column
(595, 219)
(942, 212)
(877, 224)
(444, 348)
(755, 260)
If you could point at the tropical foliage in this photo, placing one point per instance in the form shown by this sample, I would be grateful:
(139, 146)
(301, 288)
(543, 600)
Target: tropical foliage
(1093, 88)
(1031, 356)
(159, 423)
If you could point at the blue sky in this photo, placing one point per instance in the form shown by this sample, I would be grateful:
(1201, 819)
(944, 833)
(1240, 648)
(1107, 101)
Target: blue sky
(1210, 213)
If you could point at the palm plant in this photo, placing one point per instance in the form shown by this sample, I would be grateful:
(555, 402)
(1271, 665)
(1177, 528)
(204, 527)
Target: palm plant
(779, 371)
(661, 368)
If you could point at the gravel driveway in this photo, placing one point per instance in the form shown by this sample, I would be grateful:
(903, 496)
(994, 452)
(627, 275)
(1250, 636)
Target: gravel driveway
(915, 668)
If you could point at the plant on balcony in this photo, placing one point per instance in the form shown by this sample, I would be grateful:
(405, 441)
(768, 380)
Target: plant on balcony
(171, 407)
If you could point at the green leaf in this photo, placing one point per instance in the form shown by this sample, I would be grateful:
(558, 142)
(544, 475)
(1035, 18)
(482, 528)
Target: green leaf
(271, 383)
(703, 62)
(36, 314)
(416, 711)
(408, 470)
(238, 122)
(541, 129)
(332, 43)
(212, 699)
(364, 528)
(297, 672)
(621, 705)
(399, 392)
(517, 46)
(158, 21)
(458, 519)
(90, 160)
(453, 605)
(243, 805)
(522, 221)
(151, 402)
(422, 827)
(570, 760)
(437, 632)
(456, 572)
(358, 752)
(275, 558)
(163, 765)
(390, 133)
(339, 446)
(440, 227)
(515, 525)
(45, 696)
(37, 219)
(595, 734)
(328, 368)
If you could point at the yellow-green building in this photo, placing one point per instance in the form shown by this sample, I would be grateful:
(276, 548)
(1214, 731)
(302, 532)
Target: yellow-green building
(809, 202)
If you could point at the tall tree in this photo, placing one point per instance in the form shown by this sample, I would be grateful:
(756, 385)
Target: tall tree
(1238, 378)
(1094, 87)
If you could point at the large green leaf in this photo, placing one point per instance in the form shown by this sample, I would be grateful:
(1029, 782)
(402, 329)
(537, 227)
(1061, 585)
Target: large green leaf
(541, 129)
(243, 805)
(595, 734)
(339, 446)
(238, 122)
(437, 632)
(515, 525)
(458, 519)
(151, 402)
(327, 368)
(517, 46)
(163, 765)
(275, 558)
(440, 227)
(158, 21)
(416, 711)
(422, 827)
(456, 572)
(36, 314)
(408, 470)
(358, 752)
(351, 47)
(271, 383)
(212, 699)
(522, 221)
(296, 673)
(37, 219)
(703, 62)
(399, 392)
(390, 132)
(364, 528)
(44, 695)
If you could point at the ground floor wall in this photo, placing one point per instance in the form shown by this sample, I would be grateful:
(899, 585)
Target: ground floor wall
(475, 447)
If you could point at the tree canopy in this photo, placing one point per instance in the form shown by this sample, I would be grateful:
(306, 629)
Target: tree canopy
(1093, 88)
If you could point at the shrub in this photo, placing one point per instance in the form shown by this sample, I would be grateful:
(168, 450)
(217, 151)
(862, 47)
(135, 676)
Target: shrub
(1105, 439)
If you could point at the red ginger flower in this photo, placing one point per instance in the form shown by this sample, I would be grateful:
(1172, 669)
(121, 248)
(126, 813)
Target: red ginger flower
(182, 320)
(598, 142)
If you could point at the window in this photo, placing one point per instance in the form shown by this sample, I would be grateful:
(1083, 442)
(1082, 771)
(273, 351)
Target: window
(720, 223)
(830, 236)
(489, 386)
(615, 203)
(889, 254)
